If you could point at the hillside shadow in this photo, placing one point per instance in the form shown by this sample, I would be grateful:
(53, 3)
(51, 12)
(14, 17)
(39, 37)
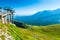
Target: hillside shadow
(19, 24)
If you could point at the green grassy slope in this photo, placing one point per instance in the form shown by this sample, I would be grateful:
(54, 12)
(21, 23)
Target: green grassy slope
(51, 32)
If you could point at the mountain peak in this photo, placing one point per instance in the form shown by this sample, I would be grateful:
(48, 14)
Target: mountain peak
(45, 17)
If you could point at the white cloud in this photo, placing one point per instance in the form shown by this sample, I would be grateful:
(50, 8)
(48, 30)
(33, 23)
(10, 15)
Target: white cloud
(25, 12)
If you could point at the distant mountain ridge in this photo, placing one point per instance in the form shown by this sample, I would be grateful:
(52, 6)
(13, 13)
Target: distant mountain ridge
(41, 18)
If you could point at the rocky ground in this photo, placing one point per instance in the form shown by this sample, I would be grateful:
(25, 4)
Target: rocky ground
(4, 34)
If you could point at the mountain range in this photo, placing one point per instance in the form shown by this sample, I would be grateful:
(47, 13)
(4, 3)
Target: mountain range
(46, 17)
(21, 31)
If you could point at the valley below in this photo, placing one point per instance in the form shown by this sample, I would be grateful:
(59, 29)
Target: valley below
(30, 32)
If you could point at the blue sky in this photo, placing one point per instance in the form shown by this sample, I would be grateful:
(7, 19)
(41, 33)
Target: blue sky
(29, 7)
